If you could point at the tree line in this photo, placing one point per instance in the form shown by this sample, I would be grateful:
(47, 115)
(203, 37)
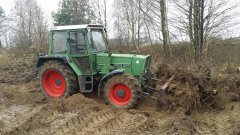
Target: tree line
(25, 26)
(130, 22)
(164, 22)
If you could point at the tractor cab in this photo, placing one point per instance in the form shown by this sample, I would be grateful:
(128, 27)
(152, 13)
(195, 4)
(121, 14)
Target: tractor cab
(78, 39)
(79, 59)
(95, 37)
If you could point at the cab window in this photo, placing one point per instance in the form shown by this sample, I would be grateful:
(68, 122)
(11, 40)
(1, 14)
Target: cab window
(77, 42)
(59, 41)
(98, 41)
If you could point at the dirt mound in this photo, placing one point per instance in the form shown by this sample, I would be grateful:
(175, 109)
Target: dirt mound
(74, 115)
(75, 103)
(228, 90)
(189, 89)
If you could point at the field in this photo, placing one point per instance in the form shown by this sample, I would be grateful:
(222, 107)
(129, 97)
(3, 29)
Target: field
(200, 101)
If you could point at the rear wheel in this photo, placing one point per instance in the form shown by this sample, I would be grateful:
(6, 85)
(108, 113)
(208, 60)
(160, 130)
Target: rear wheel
(122, 91)
(57, 80)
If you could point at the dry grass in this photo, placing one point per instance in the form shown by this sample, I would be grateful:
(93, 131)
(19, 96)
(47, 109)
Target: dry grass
(17, 65)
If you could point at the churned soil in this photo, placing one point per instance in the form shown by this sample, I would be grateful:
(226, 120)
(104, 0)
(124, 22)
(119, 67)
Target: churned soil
(24, 110)
(198, 89)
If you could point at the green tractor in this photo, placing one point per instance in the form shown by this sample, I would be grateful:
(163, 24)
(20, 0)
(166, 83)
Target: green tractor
(79, 61)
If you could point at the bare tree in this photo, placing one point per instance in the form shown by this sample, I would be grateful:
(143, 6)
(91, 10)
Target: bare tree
(165, 30)
(2, 18)
(128, 11)
(102, 12)
(30, 27)
(204, 19)
(197, 29)
(155, 11)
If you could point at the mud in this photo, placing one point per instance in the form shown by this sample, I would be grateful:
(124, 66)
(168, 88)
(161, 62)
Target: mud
(198, 103)
(17, 69)
(196, 89)
(26, 111)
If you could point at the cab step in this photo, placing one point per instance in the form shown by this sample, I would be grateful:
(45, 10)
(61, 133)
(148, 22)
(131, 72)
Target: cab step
(85, 84)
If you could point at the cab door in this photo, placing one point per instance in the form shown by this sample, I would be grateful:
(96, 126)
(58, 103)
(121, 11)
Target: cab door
(79, 51)
(81, 56)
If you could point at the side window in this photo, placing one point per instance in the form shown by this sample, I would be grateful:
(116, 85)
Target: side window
(81, 40)
(77, 42)
(98, 41)
(59, 41)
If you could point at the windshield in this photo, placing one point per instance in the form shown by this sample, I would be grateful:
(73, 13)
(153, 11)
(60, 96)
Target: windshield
(98, 41)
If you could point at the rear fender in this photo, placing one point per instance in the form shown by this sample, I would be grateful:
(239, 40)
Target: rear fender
(63, 59)
(43, 59)
(106, 77)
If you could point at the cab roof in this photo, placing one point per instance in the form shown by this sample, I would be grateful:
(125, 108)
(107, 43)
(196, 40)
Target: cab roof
(74, 27)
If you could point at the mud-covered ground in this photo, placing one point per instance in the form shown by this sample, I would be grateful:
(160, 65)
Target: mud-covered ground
(24, 110)
(198, 103)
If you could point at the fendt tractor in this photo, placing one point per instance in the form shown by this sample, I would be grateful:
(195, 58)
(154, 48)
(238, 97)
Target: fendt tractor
(79, 61)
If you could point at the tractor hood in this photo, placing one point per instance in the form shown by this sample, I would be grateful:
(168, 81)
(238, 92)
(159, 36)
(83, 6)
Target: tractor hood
(131, 63)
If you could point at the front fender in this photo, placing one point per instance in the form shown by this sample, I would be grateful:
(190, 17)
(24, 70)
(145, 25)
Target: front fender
(106, 77)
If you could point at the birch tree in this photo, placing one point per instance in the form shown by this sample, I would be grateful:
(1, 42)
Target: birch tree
(129, 17)
(156, 11)
(165, 30)
(2, 16)
(29, 28)
(202, 19)
(102, 12)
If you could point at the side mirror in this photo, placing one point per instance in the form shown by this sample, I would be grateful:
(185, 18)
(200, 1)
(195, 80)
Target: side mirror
(134, 52)
(109, 52)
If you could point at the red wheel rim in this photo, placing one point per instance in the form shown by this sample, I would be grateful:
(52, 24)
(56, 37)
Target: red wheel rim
(120, 94)
(54, 83)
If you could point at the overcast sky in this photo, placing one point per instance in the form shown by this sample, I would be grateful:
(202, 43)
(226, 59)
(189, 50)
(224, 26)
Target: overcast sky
(48, 6)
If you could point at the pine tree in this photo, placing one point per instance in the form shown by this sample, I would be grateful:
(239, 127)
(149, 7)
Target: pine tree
(73, 12)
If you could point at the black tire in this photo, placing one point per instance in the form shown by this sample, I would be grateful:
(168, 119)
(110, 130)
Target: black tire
(125, 82)
(69, 79)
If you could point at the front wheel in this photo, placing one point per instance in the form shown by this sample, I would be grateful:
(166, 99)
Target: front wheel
(122, 91)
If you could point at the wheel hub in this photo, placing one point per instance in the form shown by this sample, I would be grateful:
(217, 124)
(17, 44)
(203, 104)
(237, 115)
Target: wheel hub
(54, 83)
(121, 93)
(58, 82)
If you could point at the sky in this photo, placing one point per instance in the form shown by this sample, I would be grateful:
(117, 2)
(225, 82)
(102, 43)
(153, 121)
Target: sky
(48, 6)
